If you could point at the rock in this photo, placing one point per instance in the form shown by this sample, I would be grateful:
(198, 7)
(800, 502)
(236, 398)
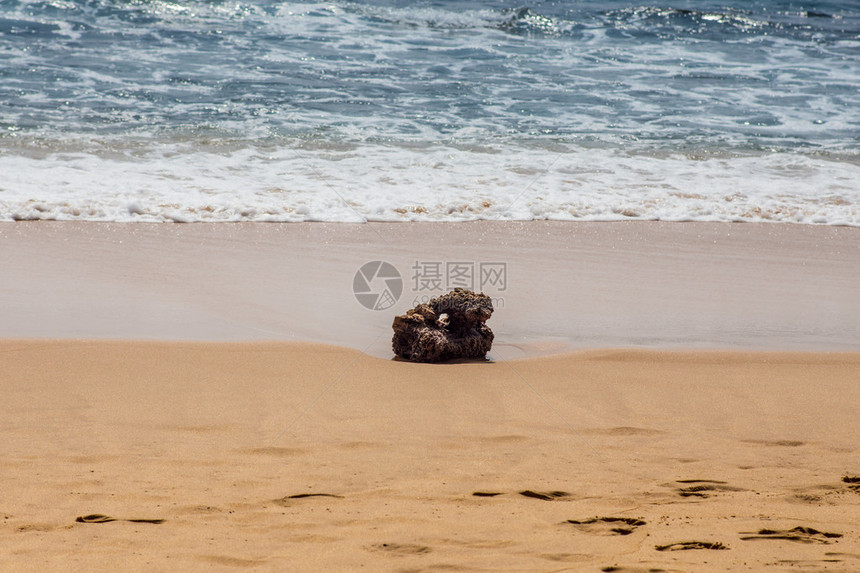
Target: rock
(450, 326)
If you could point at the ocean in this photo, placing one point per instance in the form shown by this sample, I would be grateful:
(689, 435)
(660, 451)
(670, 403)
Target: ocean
(188, 111)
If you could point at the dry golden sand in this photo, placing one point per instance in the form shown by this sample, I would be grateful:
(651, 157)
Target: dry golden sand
(299, 457)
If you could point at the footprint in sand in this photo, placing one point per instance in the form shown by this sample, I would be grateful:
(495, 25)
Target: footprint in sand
(798, 534)
(686, 545)
(542, 495)
(607, 525)
(401, 548)
(286, 500)
(776, 443)
(838, 556)
(636, 569)
(816, 495)
(703, 487)
(830, 494)
(545, 495)
(42, 527)
(99, 518)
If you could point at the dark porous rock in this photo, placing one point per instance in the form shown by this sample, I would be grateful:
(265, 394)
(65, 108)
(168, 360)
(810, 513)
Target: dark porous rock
(450, 326)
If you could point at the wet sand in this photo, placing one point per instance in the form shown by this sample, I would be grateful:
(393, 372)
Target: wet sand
(567, 285)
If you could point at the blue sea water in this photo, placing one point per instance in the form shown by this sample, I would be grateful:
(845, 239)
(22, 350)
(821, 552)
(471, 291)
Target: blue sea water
(152, 110)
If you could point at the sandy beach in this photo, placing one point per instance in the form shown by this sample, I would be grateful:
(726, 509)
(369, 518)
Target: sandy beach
(661, 397)
(285, 456)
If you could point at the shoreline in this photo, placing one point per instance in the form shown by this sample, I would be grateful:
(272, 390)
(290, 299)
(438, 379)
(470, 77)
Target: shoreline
(567, 285)
(552, 353)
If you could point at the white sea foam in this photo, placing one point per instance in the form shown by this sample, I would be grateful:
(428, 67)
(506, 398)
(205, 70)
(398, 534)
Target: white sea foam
(435, 183)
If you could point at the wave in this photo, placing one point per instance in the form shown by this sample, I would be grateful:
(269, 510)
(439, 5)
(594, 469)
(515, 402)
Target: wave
(315, 181)
(252, 110)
